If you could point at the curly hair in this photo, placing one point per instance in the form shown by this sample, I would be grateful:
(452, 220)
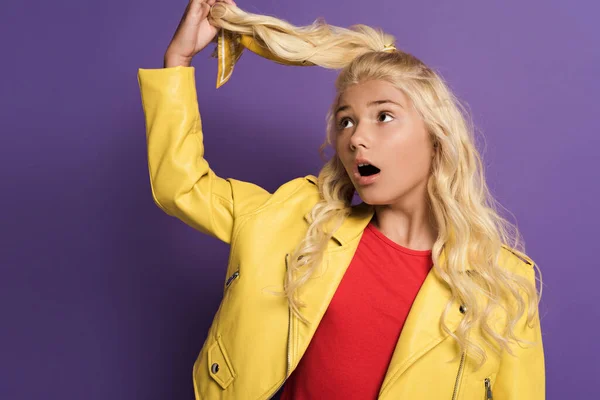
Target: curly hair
(471, 230)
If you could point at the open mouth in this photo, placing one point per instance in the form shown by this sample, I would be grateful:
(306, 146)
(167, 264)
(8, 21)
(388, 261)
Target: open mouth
(367, 169)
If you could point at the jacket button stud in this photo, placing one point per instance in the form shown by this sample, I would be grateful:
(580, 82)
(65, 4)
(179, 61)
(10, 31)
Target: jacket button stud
(214, 368)
(462, 309)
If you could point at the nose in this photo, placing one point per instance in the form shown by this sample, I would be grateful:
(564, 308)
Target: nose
(359, 139)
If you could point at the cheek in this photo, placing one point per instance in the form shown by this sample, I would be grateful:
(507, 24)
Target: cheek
(413, 157)
(341, 150)
(338, 142)
(335, 144)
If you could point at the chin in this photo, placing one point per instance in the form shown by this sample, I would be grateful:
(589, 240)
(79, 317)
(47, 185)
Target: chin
(372, 198)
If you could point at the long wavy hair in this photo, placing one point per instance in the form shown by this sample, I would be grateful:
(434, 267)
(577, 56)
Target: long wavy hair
(470, 228)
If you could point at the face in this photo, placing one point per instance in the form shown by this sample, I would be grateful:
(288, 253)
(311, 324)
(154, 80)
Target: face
(377, 125)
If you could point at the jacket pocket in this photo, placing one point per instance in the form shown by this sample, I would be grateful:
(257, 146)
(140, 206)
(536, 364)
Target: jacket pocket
(487, 385)
(219, 364)
(231, 278)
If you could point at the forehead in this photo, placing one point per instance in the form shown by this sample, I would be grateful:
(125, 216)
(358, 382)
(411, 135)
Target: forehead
(362, 93)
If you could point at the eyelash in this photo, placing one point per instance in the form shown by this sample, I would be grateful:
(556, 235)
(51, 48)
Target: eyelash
(343, 119)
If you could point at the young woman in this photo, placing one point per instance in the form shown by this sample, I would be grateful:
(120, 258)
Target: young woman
(421, 291)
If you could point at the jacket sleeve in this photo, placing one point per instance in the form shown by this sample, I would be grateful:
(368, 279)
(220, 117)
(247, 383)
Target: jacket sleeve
(182, 183)
(523, 376)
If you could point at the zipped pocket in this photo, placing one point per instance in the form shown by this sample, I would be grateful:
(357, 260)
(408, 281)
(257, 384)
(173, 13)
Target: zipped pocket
(289, 360)
(233, 277)
(488, 389)
(460, 368)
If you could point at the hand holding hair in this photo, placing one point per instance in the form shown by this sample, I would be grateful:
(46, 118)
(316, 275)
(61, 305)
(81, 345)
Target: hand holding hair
(193, 33)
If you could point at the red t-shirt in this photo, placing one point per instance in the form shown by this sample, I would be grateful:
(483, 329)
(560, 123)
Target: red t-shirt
(349, 354)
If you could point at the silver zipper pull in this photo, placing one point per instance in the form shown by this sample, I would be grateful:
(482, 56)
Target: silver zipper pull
(488, 390)
(231, 278)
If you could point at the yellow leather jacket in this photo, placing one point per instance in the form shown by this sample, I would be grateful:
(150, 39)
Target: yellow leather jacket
(254, 342)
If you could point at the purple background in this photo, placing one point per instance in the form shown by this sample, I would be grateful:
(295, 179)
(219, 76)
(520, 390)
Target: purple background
(103, 296)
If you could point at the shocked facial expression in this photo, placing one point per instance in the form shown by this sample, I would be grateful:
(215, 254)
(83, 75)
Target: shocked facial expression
(382, 142)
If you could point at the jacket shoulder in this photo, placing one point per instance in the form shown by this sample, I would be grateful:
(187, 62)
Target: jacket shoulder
(516, 260)
(295, 187)
(298, 190)
(521, 257)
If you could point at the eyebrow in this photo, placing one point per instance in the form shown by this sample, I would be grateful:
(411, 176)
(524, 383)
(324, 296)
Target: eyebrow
(369, 104)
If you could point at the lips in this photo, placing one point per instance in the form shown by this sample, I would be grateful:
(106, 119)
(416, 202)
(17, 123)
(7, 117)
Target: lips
(364, 167)
(365, 172)
(365, 180)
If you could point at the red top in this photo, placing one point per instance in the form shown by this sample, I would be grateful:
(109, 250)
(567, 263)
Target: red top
(349, 354)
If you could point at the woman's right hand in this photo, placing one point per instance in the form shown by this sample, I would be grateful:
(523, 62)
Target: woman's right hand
(193, 33)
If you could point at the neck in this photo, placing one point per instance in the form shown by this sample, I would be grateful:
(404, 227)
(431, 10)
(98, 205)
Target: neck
(409, 223)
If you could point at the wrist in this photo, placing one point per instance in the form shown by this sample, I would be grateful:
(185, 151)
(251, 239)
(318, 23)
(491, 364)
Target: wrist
(171, 61)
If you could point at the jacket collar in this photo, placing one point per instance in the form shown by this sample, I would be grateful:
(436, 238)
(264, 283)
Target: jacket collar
(353, 225)
(422, 330)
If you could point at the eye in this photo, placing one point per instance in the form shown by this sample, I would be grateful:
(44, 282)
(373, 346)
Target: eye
(385, 113)
(341, 123)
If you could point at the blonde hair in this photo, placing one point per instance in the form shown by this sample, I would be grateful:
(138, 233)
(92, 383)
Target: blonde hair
(470, 229)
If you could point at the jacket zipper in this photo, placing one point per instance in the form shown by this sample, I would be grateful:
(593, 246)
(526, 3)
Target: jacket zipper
(488, 389)
(460, 367)
(289, 358)
(231, 278)
(228, 282)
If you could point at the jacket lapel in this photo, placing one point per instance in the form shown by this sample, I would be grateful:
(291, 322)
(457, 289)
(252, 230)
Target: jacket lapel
(422, 330)
(318, 291)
